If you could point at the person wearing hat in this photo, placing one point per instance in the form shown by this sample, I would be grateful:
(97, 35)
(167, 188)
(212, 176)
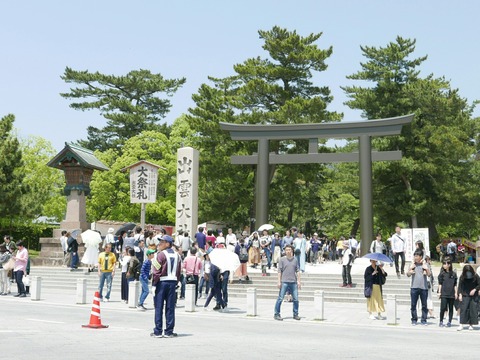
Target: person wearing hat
(144, 277)
(347, 260)
(167, 266)
(21, 259)
(109, 238)
(4, 258)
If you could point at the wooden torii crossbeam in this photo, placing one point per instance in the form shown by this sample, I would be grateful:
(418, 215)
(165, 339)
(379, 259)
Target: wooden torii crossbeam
(363, 130)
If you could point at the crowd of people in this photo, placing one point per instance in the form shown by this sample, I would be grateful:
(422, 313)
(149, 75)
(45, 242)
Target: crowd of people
(14, 267)
(164, 265)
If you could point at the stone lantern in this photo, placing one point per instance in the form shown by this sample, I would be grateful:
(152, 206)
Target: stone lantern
(78, 165)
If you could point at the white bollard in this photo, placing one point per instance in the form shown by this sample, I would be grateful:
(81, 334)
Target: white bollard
(392, 310)
(251, 302)
(81, 291)
(35, 287)
(133, 293)
(319, 305)
(190, 297)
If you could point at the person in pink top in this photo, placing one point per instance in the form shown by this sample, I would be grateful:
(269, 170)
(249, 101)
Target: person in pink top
(21, 258)
(192, 265)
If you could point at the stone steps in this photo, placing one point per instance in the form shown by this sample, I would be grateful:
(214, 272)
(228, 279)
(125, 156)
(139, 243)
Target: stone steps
(63, 278)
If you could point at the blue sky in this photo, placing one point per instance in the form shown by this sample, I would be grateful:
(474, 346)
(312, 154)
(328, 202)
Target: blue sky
(196, 39)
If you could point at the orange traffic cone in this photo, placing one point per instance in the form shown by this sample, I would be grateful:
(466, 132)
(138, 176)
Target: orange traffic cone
(95, 321)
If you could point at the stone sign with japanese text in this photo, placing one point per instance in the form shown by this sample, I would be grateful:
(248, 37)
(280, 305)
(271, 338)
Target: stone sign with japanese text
(186, 217)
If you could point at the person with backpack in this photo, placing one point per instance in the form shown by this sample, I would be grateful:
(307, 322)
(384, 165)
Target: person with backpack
(241, 249)
(452, 250)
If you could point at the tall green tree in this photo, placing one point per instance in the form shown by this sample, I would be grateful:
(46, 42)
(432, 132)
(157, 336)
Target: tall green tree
(130, 103)
(12, 186)
(110, 190)
(431, 185)
(278, 89)
(45, 184)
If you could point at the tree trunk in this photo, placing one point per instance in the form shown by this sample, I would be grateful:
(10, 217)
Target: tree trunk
(413, 218)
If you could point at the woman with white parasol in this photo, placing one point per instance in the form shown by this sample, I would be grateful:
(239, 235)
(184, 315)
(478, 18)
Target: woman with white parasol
(91, 239)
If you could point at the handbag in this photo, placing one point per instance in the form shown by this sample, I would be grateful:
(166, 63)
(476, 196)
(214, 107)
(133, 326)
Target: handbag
(367, 291)
(9, 265)
(26, 280)
(191, 278)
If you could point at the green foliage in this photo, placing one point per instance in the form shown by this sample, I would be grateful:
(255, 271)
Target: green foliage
(433, 183)
(45, 184)
(110, 198)
(12, 186)
(275, 90)
(130, 103)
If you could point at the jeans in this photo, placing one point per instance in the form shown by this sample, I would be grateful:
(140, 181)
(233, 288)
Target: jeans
(105, 276)
(414, 295)
(165, 296)
(347, 278)
(145, 290)
(402, 256)
(74, 260)
(224, 294)
(268, 253)
(293, 289)
(19, 280)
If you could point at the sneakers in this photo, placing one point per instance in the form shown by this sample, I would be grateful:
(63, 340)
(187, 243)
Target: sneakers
(460, 328)
(277, 317)
(349, 285)
(380, 317)
(156, 335)
(449, 324)
(25, 295)
(343, 285)
(106, 300)
(470, 327)
(414, 323)
(441, 324)
(372, 317)
(217, 307)
(141, 307)
(172, 335)
(296, 317)
(424, 323)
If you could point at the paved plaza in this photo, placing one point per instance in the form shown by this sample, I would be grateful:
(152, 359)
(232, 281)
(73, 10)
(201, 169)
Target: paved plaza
(51, 328)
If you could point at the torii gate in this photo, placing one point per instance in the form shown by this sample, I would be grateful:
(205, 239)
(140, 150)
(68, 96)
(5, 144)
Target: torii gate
(363, 130)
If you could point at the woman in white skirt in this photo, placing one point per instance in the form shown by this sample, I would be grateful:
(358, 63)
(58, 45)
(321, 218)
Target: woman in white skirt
(375, 277)
(90, 257)
(276, 247)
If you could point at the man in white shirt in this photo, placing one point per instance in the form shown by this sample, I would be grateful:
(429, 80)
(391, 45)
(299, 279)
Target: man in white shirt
(398, 249)
(231, 240)
(63, 242)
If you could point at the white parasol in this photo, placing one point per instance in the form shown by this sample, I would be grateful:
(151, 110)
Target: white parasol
(224, 259)
(91, 238)
(266, 227)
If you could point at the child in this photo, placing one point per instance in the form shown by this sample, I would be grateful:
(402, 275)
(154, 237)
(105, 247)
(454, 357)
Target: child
(264, 262)
(144, 276)
(447, 289)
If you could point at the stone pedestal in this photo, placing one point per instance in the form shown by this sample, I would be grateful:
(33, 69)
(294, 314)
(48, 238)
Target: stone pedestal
(51, 253)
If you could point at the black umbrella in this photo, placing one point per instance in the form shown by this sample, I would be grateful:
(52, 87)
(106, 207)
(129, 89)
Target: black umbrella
(126, 227)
